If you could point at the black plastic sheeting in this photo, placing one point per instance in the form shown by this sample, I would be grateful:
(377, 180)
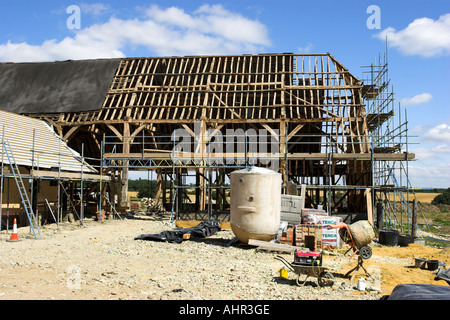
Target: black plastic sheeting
(203, 230)
(419, 292)
(443, 274)
(55, 87)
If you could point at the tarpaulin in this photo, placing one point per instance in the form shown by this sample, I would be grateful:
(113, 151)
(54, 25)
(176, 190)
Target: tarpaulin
(53, 87)
(443, 274)
(419, 292)
(204, 229)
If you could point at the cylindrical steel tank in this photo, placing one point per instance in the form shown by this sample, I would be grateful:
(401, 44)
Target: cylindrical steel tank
(255, 203)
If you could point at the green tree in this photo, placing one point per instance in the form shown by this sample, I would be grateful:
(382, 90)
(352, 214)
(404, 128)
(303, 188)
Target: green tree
(145, 188)
(443, 198)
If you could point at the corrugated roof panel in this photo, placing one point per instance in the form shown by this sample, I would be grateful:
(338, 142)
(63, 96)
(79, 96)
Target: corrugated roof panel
(49, 149)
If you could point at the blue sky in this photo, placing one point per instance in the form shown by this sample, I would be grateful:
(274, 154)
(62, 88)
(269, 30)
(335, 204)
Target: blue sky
(418, 36)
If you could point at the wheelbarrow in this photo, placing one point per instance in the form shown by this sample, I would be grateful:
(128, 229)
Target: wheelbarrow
(324, 277)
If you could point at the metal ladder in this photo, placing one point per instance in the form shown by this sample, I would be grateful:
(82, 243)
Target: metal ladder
(22, 190)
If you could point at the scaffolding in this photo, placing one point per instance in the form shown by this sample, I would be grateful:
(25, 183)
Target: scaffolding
(388, 128)
(334, 133)
(70, 185)
(177, 165)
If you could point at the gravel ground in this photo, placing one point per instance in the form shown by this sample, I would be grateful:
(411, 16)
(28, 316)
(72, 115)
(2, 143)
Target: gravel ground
(103, 261)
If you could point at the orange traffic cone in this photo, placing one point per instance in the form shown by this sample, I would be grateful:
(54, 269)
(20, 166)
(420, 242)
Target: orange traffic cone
(14, 236)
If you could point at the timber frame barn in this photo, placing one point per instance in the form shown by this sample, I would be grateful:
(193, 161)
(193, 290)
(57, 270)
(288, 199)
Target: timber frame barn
(310, 104)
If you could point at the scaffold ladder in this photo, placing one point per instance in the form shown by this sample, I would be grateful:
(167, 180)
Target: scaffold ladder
(22, 190)
(402, 197)
(106, 197)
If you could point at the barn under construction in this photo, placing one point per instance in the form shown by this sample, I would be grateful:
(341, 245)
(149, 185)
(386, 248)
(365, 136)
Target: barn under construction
(193, 120)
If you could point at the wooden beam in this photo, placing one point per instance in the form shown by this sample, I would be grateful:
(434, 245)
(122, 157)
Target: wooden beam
(138, 129)
(116, 132)
(70, 133)
(124, 174)
(368, 195)
(68, 175)
(295, 130)
(271, 246)
(189, 130)
(272, 132)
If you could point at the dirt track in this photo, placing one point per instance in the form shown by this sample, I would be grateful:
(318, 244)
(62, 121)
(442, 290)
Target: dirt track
(103, 261)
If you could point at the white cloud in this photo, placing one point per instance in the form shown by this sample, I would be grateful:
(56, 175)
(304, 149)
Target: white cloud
(429, 175)
(422, 154)
(306, 49)
(440, 133)
(172, 31)
(434, 144)
(424, 36)
(418, 99)
(441, 149)
(432, 152)
(94, 8)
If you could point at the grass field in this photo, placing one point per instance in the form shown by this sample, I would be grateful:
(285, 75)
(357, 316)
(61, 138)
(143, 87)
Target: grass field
(426, 197)
(422, 197)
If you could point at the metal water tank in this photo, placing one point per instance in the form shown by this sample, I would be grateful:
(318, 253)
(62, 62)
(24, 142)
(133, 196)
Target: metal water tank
(255, 203)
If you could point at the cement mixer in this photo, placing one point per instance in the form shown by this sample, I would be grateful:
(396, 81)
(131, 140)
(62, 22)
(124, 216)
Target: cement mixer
(357, 235)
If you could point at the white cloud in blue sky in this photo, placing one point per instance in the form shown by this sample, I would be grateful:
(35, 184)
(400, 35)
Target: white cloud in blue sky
(172, 31)
(417, 99)
(432, 175)
(439, 133)
(306, 49)
(424, 37)
(432, 168)
(95, 9)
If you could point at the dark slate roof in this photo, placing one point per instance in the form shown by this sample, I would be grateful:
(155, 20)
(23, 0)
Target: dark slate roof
(55, 87)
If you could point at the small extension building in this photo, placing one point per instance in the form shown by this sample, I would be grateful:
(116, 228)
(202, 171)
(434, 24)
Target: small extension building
(36, 167)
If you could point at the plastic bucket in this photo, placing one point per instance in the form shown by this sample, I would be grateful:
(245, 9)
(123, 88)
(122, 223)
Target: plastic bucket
(388, 237)
(361, 286)
(432, 264)
(420, 263)
(283, 273)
